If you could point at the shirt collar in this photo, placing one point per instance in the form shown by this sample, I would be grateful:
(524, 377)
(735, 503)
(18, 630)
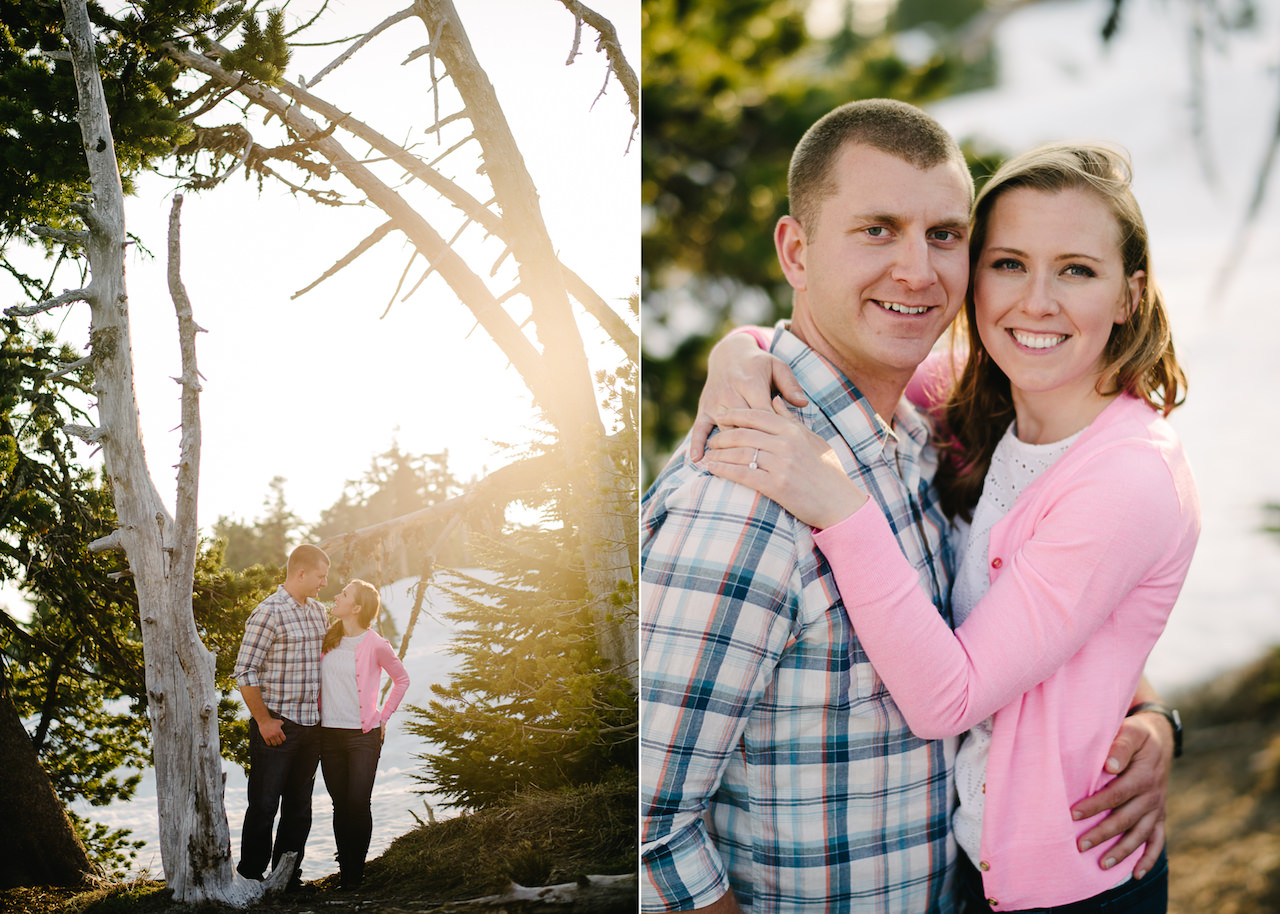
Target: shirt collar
(837, 400)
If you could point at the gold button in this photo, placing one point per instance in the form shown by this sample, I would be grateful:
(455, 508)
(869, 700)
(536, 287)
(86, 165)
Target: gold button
(992, 902)
(984, 866)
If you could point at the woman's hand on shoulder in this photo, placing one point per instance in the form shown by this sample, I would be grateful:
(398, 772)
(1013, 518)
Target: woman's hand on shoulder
(773, 453)
(739, 375)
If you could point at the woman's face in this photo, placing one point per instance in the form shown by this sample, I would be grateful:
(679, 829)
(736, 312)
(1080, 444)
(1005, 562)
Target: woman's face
(1049, 285)
(344, 604)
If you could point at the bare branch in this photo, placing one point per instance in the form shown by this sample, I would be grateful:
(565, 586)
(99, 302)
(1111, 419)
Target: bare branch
(69, 367)
(66, 236)
(609, 319)
(87, 433)
(364, 39)
(109, 543)
(189, 449)
(400, 284)
(49, 304)
(469, 288)
(481, 213)
(612, 48)
(377, 235)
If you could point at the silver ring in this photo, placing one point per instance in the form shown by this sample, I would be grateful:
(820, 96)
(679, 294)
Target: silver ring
(754, 457)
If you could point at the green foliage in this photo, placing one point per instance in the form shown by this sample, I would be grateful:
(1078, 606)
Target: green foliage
(111, 849)
(42, 165)
(73, 654)
(263, 54)
(533, 706)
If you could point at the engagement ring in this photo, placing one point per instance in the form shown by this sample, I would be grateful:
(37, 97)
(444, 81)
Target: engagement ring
(754, 457)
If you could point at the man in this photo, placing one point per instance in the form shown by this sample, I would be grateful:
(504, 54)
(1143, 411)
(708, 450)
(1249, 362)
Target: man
(773, 761)
(278, 671)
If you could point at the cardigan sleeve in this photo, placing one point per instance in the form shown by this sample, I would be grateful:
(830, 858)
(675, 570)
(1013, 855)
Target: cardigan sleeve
(388, 660)
(1105, 530)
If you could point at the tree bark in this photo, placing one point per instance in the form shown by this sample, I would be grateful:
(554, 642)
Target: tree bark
(181, 698)
(567, 393)
(45, 850)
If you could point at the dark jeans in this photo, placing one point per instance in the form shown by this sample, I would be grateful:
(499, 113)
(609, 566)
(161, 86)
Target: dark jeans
(1148, 895)
(349, 760)
(280, 777)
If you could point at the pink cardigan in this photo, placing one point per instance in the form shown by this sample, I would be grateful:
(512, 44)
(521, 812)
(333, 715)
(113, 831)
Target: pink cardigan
(1085, 569)
(373, 655)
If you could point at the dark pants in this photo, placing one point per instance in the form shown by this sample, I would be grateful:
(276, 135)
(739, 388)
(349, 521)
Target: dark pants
(349, 760)
(280, 778)
(1148, 895)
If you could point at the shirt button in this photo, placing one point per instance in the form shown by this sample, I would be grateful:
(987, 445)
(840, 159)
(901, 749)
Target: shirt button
(984, 866)
(992, 902)
(997, 562)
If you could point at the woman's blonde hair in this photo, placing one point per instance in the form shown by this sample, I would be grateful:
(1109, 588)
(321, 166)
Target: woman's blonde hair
(1139, 355)
(367, 599)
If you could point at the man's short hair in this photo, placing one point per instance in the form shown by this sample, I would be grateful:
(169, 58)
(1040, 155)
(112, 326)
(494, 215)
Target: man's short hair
(893, 127)
(306, 557)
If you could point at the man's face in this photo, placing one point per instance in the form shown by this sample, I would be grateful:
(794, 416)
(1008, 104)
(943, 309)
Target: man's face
(312, 580)
(883, 271)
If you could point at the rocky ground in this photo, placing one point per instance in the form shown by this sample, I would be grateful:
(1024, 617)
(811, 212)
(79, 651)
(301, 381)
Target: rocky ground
(1224, 797)
(544, 840)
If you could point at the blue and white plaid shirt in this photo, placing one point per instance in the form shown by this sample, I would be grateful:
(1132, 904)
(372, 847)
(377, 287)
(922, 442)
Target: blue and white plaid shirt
(773, 760)
(280, 654)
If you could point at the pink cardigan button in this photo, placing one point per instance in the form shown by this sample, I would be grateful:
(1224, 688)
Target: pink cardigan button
(997, 562)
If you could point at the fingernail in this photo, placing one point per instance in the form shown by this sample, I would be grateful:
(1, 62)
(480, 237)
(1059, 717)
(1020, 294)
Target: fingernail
(1138, 874)
(1085, 845)
(1077, 814)
(1108, 863)
(1113, 765)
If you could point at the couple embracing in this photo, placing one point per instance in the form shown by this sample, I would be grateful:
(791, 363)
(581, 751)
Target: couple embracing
(913, 546)
(312, 691)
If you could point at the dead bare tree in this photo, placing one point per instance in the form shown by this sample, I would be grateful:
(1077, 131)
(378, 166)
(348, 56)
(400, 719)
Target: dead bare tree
(182, 701)
(553, 363)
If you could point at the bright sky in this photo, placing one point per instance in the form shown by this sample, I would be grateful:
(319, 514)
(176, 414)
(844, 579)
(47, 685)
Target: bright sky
(311, 389)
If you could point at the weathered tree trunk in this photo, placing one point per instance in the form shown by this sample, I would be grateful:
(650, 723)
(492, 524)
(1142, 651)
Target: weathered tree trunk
(45, 850)
(569, 396)
(181, 698)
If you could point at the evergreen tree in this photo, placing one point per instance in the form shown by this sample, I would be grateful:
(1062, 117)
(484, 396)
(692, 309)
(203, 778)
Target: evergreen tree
(395, 484)
(265, 541)
(533, 705)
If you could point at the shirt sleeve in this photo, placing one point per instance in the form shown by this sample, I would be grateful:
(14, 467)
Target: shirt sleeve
(719, 595)
(259, 634)
(1103, 534)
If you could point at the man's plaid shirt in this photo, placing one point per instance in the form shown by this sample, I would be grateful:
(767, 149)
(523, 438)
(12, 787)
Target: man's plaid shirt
(280, 654)
(772, 758)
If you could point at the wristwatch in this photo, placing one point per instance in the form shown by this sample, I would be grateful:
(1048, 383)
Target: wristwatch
(1169, 714)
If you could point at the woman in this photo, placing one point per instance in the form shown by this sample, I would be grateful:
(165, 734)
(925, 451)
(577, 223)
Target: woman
(1077, 516)
(352, 726)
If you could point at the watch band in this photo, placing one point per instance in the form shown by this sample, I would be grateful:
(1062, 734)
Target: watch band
(1169, 714)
